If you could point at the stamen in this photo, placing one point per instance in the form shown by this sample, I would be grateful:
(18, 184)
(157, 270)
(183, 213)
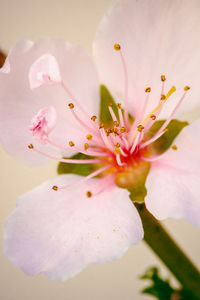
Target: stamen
(174, 147)
(92, 153)
(106, 140)
(112, 114)
(122, 129)
(55, 188)
(84, 179)
(121, 118)
(89, 136)
(30, 146)
(162, 97)
(101, 125)
(89, 194)
(93, 118)
(135, 141)
(84, 125)
(71, 144)
(171, 91)
(186, 88)
(153, 117)
(118, 159)
(148, 90)
(71, 105)
(86, 146)
(140, 128)
(69, 161)
(117, 47)
(163, 78)
(161, 131)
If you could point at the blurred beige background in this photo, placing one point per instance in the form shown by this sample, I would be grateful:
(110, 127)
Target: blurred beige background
(76, 21)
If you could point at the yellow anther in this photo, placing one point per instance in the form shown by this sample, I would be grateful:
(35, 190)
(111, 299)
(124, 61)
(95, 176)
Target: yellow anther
(153, 117)
(117, 145)
(93, 118)
(98, 236)
(186, 88)
(163, 78)
(86, 146)
(89, 194)
(114, 230)
(101, 125)
(162, 97)
(107, 132)
(117, 47)
(148, 90)
(71, 105)
(89, 136)
(171, 91)
(117, 151)
(76, 251)
(119, 105)
(174, 147)
(110, 104)
(122, 129)
(115, 130)
(30, 146)
(55, 188)
(116, 123)
(166, 130)
(71, 143)
(140, 128)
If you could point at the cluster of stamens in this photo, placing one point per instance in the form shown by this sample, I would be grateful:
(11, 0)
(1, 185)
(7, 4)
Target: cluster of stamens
(116, 147)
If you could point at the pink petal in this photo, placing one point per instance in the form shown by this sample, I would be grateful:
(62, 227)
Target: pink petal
(19, 104)
(59, 233)
(156, 37)
(173, 182)
(44, 70)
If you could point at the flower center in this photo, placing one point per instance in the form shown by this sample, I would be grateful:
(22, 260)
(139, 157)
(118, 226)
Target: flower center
(119, 148)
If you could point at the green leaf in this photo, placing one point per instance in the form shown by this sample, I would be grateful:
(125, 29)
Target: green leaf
(165, 141)
(161, 288)
(106, 98)
(104, 115)
(79, 169)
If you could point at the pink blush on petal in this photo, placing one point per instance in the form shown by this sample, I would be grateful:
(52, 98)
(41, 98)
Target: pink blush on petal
(43, 123)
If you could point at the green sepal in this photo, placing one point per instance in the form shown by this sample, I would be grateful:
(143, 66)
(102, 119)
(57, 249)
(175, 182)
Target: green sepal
(134, 179)
(165, 141)
(106, 98)
(104, 115)
(79, 169)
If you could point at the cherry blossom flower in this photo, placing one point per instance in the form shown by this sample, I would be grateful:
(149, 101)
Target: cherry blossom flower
(147, 54)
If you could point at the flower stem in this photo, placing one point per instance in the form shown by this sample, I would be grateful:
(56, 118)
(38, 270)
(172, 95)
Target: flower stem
(173, 257)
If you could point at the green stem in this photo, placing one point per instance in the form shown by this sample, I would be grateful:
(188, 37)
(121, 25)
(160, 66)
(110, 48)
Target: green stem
(167, 250)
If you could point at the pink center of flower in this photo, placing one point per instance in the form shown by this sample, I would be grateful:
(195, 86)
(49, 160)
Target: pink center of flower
(117, 147)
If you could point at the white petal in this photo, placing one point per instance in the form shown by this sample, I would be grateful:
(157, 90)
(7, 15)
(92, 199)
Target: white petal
(156, 37)
(173, 182)
(59, 233)
(19, 104)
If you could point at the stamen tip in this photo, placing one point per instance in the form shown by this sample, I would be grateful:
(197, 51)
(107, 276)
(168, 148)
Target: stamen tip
(86, 146)
(55, 188)
(140, 128)
(89, 136)
(119, 105)
(110, 104)
(71, 105)
(117, 47)
(30, 146)
(174, 147)
(89, 194)
(101, 125)
(186, 88)
(93, 118)
(71, 143)
(148, 89)
(163, 78)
